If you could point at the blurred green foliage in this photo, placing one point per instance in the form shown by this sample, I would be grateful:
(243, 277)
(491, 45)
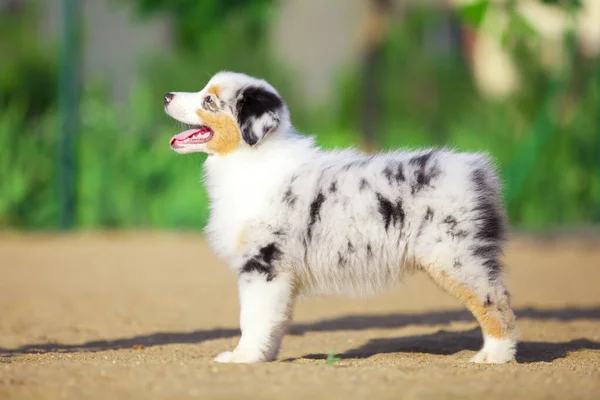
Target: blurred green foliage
(546, 137)
(28, 74)
(198, 23)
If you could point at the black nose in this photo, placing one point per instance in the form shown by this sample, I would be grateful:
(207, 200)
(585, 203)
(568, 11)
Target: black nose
(168, 98)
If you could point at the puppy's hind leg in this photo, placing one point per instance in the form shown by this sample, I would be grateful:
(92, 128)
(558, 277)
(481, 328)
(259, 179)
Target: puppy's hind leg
(266, 302)
(488, 300)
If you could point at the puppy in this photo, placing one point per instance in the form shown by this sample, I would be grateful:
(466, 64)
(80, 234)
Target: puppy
(293, 220)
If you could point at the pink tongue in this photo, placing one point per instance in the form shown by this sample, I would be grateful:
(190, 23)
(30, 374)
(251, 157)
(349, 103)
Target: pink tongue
(186, 134)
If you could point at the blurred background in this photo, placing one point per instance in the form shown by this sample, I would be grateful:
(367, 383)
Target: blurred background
(84, 139)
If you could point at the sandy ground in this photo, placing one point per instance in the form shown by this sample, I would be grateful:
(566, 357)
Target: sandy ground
(140, 316)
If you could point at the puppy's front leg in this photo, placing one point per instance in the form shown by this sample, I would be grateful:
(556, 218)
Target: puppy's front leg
(266, 307)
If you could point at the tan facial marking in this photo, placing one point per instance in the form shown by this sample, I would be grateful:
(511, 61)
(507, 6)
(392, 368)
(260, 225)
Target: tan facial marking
(490, 323)
(215, 90)
(226, 132)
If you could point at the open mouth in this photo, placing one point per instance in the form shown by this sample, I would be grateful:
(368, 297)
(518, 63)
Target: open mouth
(197, 135)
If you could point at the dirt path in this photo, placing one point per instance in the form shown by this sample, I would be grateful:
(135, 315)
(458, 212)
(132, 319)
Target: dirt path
(140, 316)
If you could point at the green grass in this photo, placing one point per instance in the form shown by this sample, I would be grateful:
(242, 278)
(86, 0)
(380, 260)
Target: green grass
(331, 358)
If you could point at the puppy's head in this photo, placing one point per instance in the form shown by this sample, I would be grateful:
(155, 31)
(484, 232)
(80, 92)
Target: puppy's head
(233, 110)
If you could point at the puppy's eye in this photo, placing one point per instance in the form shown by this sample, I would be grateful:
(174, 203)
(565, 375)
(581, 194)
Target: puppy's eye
(209, 102)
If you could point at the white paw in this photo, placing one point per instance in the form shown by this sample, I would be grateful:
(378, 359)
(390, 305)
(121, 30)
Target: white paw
(479, 358)
(224, 357)
(496, 351)
(237, 356)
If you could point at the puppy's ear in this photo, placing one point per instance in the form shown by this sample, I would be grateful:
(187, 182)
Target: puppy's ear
(259, 111)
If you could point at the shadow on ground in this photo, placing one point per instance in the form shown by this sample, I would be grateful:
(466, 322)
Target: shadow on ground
(442, 342)
(451, 342)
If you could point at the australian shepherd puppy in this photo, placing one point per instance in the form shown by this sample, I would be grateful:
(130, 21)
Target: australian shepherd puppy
(292, 219)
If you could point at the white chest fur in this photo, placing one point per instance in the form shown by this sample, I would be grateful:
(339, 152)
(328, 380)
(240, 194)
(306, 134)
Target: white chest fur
(242, 186)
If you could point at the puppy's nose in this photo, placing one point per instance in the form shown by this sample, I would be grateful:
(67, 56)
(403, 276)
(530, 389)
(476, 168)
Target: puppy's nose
(168, 98)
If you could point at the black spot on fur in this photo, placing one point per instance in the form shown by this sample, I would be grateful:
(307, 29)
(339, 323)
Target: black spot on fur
(387, 172)
(270, 252)
(391, 213)
(491, 225)
(491, 229)
(333, 187)
(423, 174)
(349, 165)
(421, 161)
(425, 221)
(486, 251)
(289, 197)
(305, 246)
(478, 178)
(263, 262)
(363, 184)
(452, 228)
(488, 301)
(400, 173)
(493, 267)
(428, 214)
(341, 260)
(279, 233)
(394, 173)
(457, 263)
(252, 103)
(255, 265)
(459, 234)
(489, 253)
(350, 247)
(314, 214)
(450, 221)
(369, 251)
